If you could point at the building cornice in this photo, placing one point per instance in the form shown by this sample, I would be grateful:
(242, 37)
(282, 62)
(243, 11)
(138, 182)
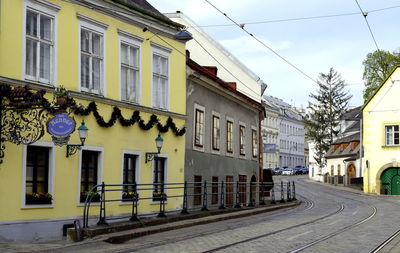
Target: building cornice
(92, 97)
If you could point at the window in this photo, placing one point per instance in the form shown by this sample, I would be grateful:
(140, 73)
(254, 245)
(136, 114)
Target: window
(89, 172)
(37, 176)
(197, 190)
(199, 128)
(129, 175)
(392, 135)
(160, 79)
(242, 189)
(39, 47)
(158, 176)
(254, 143)
(215, 132)
(214, 190)
(130, 56)
(229, 191)
(338, 169)
(242, 139)
(229, 136)
(91, 60)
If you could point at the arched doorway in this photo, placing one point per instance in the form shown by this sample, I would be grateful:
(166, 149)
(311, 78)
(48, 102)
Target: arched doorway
(351, 173)
(390, 181)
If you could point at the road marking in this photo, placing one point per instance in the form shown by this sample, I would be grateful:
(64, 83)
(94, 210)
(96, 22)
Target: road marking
(354, 213)
(293, 237)
(332, 223)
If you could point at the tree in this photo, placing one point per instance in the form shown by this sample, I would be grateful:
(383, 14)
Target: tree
(377, 67)
(322, 119)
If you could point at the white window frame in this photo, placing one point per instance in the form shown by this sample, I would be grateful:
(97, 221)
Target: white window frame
(52, 166)
(203, 109)
(386, 139)
(153, 167)
(137, 166)
(132, 41)
(100, 168)
(241, 124)
(93, 26)
(45, 8)
(165, 52)
(215, 114)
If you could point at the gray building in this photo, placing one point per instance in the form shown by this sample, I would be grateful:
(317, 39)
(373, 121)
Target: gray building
(223, 137)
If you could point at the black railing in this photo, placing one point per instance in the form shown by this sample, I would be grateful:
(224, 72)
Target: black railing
(194, 195)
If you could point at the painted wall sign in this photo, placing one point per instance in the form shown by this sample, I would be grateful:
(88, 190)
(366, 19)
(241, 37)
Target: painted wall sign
(60, 127)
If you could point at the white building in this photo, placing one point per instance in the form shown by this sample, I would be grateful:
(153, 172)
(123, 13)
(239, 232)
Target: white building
(291, 134)
(270, 136)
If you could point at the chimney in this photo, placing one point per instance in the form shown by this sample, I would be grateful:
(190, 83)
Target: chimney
(232, 85)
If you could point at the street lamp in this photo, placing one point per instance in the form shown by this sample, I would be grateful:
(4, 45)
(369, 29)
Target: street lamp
(150, 155)
(83, 131)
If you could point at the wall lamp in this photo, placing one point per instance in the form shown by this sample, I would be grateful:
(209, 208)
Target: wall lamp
(150, 155)
(83, 131)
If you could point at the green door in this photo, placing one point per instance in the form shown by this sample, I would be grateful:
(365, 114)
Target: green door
(390, 181)
(396, 185)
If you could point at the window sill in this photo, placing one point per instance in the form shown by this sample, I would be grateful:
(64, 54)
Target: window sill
(391, 146)
(25, 207)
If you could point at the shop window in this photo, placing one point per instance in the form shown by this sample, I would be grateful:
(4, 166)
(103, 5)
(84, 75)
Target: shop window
(129, 176)
(158, 177)
(37, 176)
(89, 175)
(214, 190)
(197, 190)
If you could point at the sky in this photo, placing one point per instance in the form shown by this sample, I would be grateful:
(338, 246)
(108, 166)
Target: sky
(313, 45)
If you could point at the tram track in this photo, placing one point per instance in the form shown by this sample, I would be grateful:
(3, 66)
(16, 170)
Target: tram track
(374, 211)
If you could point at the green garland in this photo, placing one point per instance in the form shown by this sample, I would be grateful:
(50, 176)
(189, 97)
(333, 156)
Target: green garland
(116, 115)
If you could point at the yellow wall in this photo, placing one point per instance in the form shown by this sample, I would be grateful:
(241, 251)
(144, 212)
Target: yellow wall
(113, 139)
(382, 110)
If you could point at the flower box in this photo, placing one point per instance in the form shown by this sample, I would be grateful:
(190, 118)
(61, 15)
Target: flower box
(129, 196)
(38, 199)
(95, 197)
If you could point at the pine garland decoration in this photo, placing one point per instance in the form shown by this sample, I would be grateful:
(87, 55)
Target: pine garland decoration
(117, 115)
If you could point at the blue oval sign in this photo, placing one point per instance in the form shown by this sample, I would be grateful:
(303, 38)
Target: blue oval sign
(61, 125)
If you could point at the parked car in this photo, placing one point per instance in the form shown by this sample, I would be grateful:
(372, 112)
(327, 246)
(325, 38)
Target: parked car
(277, 171)
(305, 171)
(288, 171)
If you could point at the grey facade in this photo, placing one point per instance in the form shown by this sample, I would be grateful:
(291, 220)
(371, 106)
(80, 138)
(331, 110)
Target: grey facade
(215, 97)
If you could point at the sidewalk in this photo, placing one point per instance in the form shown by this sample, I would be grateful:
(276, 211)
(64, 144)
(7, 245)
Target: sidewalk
(171, 222)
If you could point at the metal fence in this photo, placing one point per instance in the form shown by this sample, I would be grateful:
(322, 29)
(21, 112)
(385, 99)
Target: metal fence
(195, 196)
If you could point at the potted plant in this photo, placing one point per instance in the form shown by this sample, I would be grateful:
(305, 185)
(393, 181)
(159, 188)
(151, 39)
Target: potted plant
(129, 196)
(61, 95)
(158, 196)
(38, 198)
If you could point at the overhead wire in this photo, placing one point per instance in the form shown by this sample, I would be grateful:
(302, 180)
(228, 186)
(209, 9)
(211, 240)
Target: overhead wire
(166, 42)
(262, 43)
(365, 14)
(299, 18)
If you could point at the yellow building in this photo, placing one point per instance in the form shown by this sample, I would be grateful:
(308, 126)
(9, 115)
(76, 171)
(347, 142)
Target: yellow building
(124, 67)
(381, 121)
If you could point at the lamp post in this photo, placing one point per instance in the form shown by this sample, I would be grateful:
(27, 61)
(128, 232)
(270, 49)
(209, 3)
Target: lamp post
(83, 131)
(150, 155)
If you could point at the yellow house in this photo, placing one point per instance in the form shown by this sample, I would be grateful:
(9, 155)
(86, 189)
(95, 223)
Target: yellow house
(124, 69)
(381, 121)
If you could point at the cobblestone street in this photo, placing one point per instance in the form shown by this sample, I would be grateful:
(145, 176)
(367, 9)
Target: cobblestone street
(330, 219)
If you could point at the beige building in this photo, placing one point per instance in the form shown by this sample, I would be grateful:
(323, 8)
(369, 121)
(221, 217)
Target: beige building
(381, 142)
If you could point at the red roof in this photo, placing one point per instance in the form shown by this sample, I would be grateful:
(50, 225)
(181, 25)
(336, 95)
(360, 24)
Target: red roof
(211, 72)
